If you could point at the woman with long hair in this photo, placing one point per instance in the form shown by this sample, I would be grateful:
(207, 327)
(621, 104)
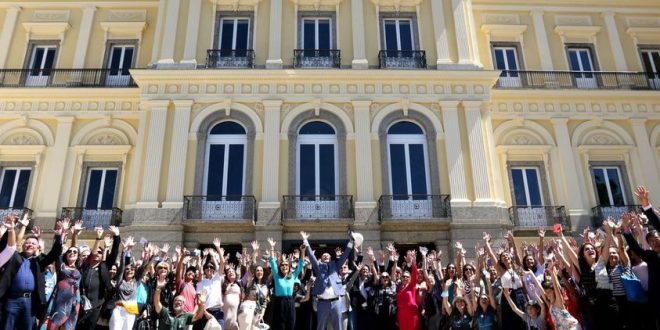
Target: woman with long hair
(460, 312)
(283, 303)
(255, 297)
(231, 292)
(123, 315)
(406, 297)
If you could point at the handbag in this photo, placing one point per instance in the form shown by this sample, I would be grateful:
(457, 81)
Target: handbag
(85, 303)
(634, 290)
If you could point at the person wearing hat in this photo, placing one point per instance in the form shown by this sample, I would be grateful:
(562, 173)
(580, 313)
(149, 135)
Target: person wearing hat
(328, 288)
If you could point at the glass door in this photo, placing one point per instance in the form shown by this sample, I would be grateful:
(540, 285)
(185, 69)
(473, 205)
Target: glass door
(506, 59)
(582, 66)
(651, 61)
(41, 64)
(120, 61)
(528, 201)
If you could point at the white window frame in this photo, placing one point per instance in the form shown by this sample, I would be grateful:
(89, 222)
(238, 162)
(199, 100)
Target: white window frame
(506, 58)
(526, 184)
(100, 198)
(648, 52)
(235, 31)
(43, 59)
(226, 140)
(15, 184)
(607, 184)
(316, 31)
(407, 140)
(580, 64)
(121, 59)
(398, 32)
(317, 140)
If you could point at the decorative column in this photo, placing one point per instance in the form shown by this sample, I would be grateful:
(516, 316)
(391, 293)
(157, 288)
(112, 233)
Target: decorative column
(364, 166)
(153, 159)
(7, 33)
(455, 164)
(83, 37)
(646, 156)
(192, 34)
(136, 159)
(493, 160)
(56, 158)
(462, 32)
(615, 41)
(440, 32)
(359, 54)
(274, 60)
(178, 154)
(155, 50)
(571, 181)
(270, 189)
(478, 158)
(542, 40)
(169, 35)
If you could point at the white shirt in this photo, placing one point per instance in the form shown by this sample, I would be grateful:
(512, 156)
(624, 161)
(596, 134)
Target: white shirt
(642, 273)
(213, 288)
(511, 280)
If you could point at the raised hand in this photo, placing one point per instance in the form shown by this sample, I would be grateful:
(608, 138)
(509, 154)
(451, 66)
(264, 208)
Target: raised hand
(390, 248)
(108, 240)
(304, 235)
(642, 195)
(165, 248)
(541, 233)
(423, 250)
(255, 246)
(65, 224)
(9, 222)
(77, 226)
(177, 249)
(296, 254)
(36, 231)
(338, 251)
(25, 220)
(128, 243)
(271, 242)
(59, 229)
(509, 236)
(216, 243)
(99, 232)
(487, 238)
(114, 230)
(370, 254)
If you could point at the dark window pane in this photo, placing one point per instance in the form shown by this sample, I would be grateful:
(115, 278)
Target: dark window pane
(585, 56)
(656, 63)
(646, 59)
(93, 189)
(235, 170)
(227, 37)
(511, 59)
(573, 60)
(615, 186)
(417, 169)
(21, 189)
(327, 169)
(499, 61)
(405, 127)
(398, 170)
(242, 34)
(405, 33)
(228, 127)
(307, 179)
(214, 180)
(534, 188)
(50, 59)
(309, 38)
(317, 127)
(519, 187)
(38, 57)
(128, 60)
(115, 58)
(108, 197)
(601, 187)
(324, 34)
(390, 35)
(7, 188)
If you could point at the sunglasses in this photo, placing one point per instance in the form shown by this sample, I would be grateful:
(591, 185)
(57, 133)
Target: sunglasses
(72, 251)
(162, 267)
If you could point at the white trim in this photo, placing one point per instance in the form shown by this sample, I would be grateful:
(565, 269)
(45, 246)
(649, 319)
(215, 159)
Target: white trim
(227, 140)
(607, 183)
(234, 31)
(316, 140)
(104, 171)
(12, 195)
(406, 140)
(397, 24)
(524, 169)
(316, 31)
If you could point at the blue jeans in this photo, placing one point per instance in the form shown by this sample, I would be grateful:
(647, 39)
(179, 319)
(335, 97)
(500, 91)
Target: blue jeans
(18, 314)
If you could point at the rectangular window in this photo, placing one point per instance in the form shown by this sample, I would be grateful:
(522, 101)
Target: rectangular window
(651, 62)
(40, 63)
(100, 188)
(506, 59)
(609, 186)
(398, 34)
(120, 59)
(14, 184)
(526, 186)
(580, 61)
(317, 33)
(234, 34)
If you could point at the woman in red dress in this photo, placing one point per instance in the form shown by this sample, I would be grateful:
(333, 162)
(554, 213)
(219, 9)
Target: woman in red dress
(406, 297)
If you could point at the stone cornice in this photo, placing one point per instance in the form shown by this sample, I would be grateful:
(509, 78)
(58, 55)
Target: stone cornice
(81, 4)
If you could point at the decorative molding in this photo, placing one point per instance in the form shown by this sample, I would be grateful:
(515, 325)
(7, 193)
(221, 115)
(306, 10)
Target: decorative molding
(572, 20)
(316, 4)
(123, 29)
(644, 34)
(500, 19)
(105, 139)
(600, 139)
(642, 21)
(127, 16)
(50, 16)
(22, 139)
(235, 4)
(504, 32)
(46, 30)
(570, 32)
(397, 5)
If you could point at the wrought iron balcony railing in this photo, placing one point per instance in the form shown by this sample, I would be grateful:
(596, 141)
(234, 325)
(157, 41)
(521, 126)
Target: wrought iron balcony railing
(66, 78)
(94, 217)
(413, 207)
(602, 212)
(402, 59)
(299, 207)
(218, 208)
(317, 58)
(539, 216)
(577, 79)
(19, 212)
(230, 58)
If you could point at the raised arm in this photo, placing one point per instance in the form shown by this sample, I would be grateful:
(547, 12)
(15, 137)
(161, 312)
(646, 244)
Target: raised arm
(76, 229)
(25, 222)
(514, 308)
(559, 300)
(491, 254)
(541, 257)
(56, 250)
(643, 196)
(512, 246)
(347, 251)
(161, 281)
(572, 255)
(605, 252)
(310, 252)
(114, 251)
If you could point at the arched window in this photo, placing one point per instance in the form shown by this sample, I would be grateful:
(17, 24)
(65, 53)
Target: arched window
(224, 173)
(317, 160)
(408, 160)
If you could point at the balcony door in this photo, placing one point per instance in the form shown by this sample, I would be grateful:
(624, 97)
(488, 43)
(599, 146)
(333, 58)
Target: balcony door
(581, 63)
(610, 194)
(528, 200)
(41, 63)
(317, 171)
(99, 198)
(119, 62)
(409, 179)
(14, 184)
(506, 59)
(234, 37)
(651, 61)
(224, 178)
(398, 35)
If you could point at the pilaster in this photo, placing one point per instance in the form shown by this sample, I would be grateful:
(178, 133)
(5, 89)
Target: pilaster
(270, 189)
(363, 161)
(542, 40)
(440, 33)
(169, 35)
(646, 156)
(274, 60)
(83, 37)
(7, 33)
(359, 53)
(192, 33)
(56, 158)
(463, 33)
(178, 154)
(615, 41)
(455, 163)
(154, 156)
(482, 191)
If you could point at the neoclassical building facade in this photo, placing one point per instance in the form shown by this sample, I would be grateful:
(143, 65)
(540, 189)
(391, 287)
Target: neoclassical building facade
(414, 121)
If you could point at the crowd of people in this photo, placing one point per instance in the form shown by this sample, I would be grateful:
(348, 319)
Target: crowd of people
(609, 280)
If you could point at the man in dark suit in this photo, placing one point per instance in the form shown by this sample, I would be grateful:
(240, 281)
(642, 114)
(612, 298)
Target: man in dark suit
(22, 282)
(328, 287)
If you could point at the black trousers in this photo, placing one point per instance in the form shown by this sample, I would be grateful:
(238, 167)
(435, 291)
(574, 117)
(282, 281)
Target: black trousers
(284, 316)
